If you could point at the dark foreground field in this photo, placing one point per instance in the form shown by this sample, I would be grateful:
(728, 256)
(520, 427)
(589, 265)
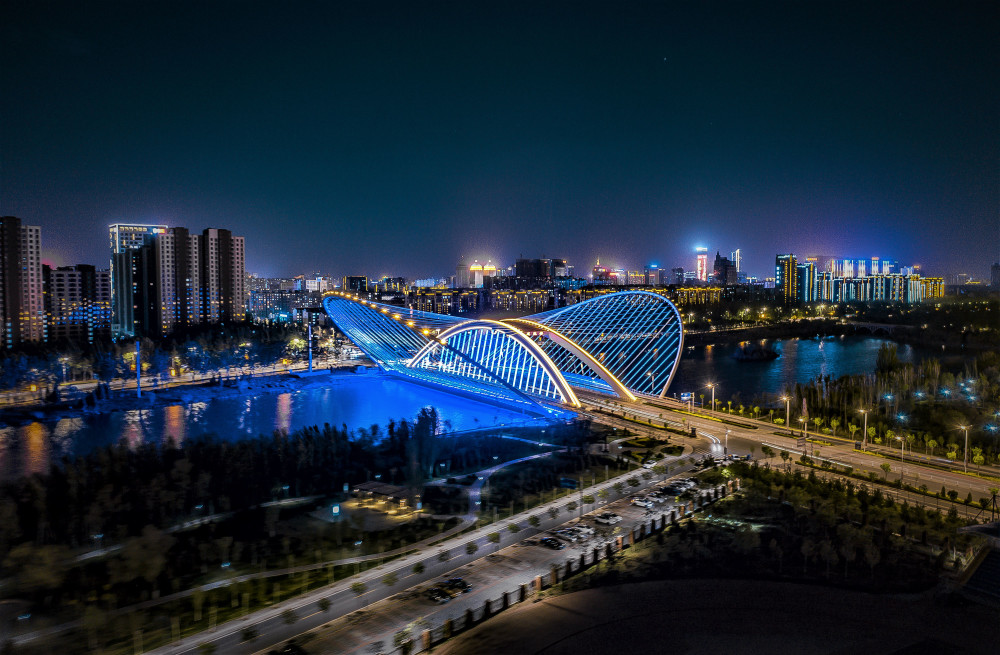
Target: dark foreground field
(731, 617)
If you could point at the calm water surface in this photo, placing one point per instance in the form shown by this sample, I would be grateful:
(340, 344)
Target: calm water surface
(360, 401)
(801, 360)
(354, 400)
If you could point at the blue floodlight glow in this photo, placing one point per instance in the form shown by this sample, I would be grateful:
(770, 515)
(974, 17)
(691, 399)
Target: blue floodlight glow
(621, 344)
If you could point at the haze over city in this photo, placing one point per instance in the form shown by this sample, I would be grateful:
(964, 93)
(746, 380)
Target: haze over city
(395, 138)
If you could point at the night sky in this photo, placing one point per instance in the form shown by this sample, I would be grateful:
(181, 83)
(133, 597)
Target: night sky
(393, 138)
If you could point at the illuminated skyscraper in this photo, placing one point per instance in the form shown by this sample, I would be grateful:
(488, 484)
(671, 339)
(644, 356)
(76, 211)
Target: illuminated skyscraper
(736, 257)
(786, 278)
(805, 283)
(701, 264)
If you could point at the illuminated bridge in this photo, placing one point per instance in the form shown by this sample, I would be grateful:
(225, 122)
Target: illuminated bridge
(621, 344)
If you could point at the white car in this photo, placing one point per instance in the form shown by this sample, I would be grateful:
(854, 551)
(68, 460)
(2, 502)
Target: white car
(641, 502)
(608, 518)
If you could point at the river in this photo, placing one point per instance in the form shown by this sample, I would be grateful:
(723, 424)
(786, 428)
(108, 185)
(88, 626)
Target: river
(355, 400)
(360, 401)
(801, 360)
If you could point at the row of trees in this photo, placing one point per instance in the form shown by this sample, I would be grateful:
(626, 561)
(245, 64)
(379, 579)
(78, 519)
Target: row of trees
(212, 349)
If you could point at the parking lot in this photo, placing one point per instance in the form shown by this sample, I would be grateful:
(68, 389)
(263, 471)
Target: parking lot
(371, 630)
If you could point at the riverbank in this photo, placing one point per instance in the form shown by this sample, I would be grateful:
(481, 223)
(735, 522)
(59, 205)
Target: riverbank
(949, 344)
(177, 394)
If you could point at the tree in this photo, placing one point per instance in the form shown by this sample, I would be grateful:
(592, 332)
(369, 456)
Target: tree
(834, 424)
(932, 444)
(250, 633)
(777, 552)
(571, 506)
(289, 617)
(494, 538)
(619, 487)
(444, 556)
(418, 568)
(851, 428)
(389, 579)
(534, 521)
(471, 547)
(514, 528)
(808, 550)
(872, 556)
(885, 470)
(768, 453)
(746, 540)
(323, 604)
(359, 589)
(828, 554)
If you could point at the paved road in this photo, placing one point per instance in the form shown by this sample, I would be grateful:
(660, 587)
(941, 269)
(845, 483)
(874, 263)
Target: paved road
(274, 630)
(837, 451)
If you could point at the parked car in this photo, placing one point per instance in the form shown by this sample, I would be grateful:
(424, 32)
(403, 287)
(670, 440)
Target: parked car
(437, 595)
(457, 584)
(554, 544)
(568, 535)
(608, 518)
(641, 501)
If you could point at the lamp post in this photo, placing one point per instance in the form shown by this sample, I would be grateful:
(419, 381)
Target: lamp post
(864, 430)
(787, 405)
(725, 449)
(711, 385)
(965, 455)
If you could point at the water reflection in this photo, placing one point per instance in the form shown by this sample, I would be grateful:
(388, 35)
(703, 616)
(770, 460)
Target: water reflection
(365, 400)
(174, 424)
(36, 449)
(283, 414)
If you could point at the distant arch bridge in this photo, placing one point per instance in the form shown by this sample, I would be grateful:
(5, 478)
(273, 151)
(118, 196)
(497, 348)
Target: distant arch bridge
(623, 344)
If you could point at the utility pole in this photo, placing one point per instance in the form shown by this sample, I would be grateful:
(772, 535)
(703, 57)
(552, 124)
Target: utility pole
(310, 333)
(864, 432)
(138, 369)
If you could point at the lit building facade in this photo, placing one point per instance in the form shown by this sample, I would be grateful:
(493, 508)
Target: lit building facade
(786, 278)
(22, 300)
(164, 279)
(701, 264)
(77, 303)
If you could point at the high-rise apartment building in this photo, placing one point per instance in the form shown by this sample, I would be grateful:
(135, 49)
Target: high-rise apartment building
(736, 257)
(77, 303)
(22, 300)
(805, 284)
(786, 278)
(127, 273)
(223, 269)
(165, 279)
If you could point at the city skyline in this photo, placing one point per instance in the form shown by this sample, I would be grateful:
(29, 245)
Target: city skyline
(424, 133)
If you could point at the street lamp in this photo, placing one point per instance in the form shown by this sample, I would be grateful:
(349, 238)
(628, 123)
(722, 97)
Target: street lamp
(864, 430)
(965, 455)
(711, 385)
(787, 405)
(725, 449)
